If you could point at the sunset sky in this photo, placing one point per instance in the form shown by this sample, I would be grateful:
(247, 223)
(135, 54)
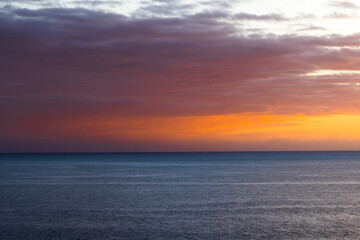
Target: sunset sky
(171, 75)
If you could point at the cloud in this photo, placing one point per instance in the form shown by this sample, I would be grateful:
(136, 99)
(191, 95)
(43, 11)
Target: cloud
(158, 66)
(337, 15)
(312, 28)
(267, 17)
(60, 64)
(343, 4)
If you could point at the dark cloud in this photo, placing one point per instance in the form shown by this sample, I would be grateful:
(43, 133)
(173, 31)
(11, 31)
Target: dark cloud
(99, 56)
(75, 63)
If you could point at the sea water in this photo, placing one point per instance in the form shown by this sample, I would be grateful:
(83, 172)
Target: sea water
(246, 195)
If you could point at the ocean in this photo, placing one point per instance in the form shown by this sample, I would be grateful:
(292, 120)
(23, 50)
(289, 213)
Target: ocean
(234, 195)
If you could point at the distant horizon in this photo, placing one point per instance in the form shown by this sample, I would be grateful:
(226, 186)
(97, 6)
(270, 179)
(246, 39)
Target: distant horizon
(279, 151)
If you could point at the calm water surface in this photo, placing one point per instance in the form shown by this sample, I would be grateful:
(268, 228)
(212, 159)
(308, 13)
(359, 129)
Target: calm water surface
(269, 195)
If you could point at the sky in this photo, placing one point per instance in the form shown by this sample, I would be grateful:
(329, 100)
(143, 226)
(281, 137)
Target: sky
(171, 75)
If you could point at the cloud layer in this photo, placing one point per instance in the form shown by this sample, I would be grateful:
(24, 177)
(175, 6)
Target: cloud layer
(79, 64)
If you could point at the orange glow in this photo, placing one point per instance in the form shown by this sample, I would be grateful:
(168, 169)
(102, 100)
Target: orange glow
(244, 127)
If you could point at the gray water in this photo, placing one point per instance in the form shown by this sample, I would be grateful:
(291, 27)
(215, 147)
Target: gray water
(269, 195)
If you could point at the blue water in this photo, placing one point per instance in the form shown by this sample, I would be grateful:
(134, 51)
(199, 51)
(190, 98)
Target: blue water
(268, 195)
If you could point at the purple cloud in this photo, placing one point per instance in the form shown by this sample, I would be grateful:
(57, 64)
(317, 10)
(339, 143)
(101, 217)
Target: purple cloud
(61, 63)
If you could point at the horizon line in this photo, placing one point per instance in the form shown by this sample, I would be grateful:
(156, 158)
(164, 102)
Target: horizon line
(177, 152)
